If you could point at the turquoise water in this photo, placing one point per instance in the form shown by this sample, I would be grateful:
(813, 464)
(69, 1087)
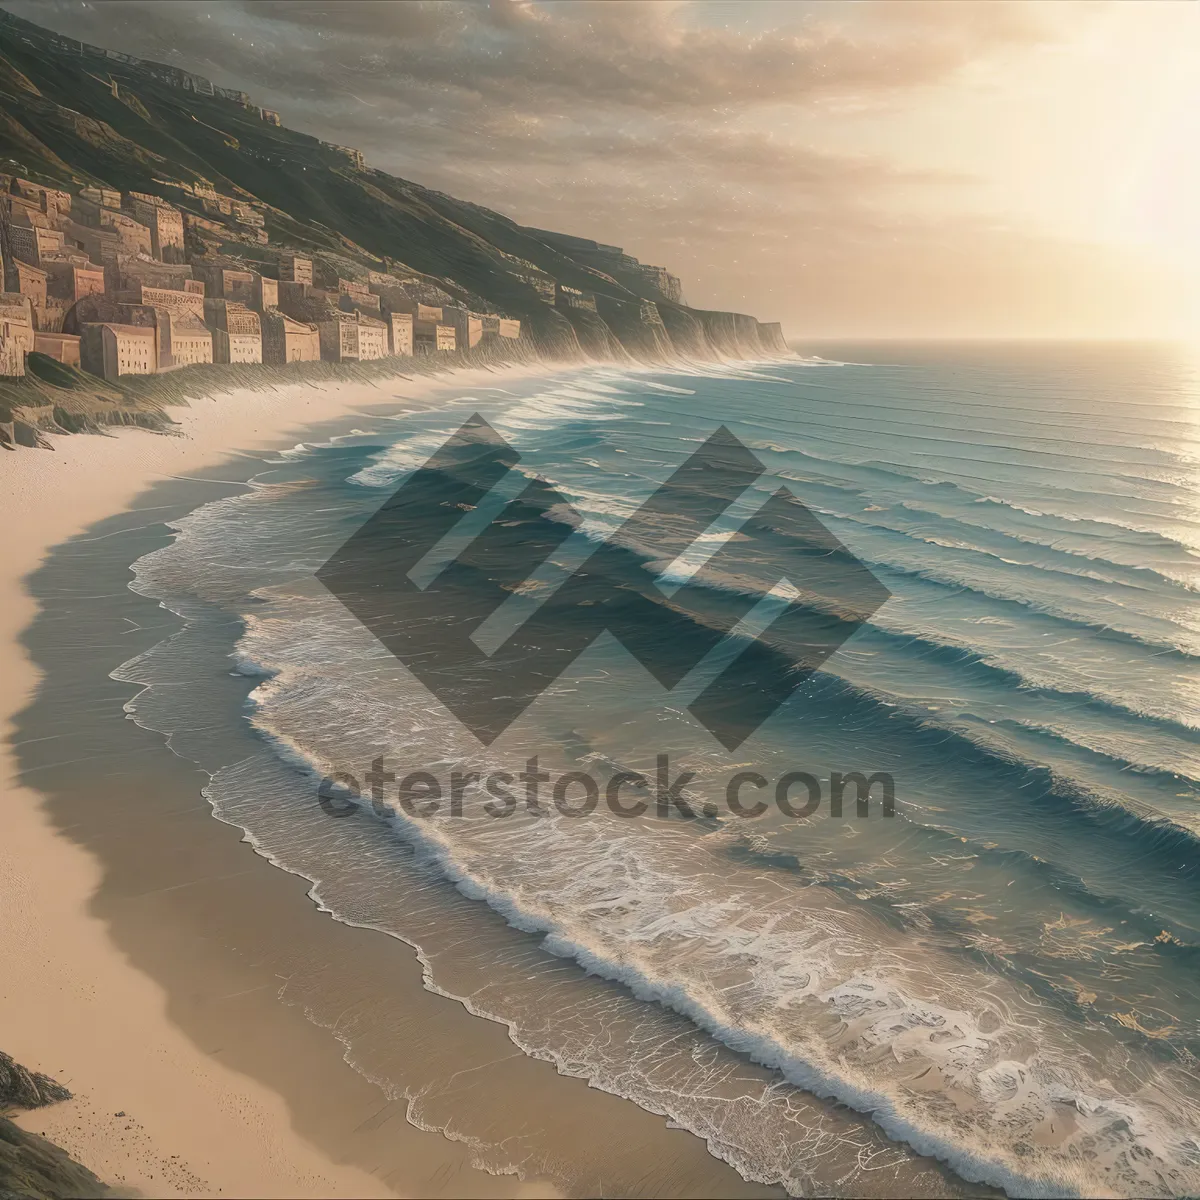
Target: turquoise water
(1002, 975)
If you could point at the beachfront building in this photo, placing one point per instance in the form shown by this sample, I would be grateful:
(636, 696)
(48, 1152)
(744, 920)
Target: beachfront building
(400, 333)
(427, 320)
(110, 350)
(188, 340)
(505, 327)
(62, 346)
(236, 332)
(339, 335)
(286, 340)
(294, 269)
(295, 298)
(372, 338)
(16, 332)
(266, 293)
(468, 327)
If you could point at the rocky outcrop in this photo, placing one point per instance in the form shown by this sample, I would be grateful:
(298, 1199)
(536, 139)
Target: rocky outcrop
(31, 1167)
(21, 1088)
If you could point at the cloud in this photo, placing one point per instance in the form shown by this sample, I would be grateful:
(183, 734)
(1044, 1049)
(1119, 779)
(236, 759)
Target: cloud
(625, 54)
(671, 128)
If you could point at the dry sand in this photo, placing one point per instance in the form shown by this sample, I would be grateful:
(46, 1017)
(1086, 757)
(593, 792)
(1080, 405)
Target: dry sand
(71, 1003)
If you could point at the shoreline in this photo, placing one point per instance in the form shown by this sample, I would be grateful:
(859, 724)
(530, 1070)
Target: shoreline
(103, 1000)
(74, 1007)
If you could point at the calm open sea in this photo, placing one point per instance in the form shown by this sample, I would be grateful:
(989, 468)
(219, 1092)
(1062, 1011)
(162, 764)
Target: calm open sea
(1004, 976)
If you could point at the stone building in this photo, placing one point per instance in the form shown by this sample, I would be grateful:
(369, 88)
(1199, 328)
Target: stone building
(226, 283)
(431, 337)
(70, 282)
(31, 243)
(237, 334)
(339, 336)
(16, 332)
(285, 340)
(400, 333)
(357, 295)
(188, 340)
(62, 346)
(165, 223)
(267, 293)
(203, 232)
(294, 297)
(48, 200)
(140, 272)
(110, 350)
(101, 196)
(426, 319)
(372, 338)
(134, 237)
(107, 309)
(101, 245)
(468, 326)
(505, 327)
(425, 314)
(172, 300)
(247, 214)
(30, 281)
(294, 269)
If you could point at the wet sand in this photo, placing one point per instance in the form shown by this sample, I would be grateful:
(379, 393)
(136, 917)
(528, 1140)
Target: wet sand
(187, 991)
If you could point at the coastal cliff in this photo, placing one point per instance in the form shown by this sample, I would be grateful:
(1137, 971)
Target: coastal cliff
(157, 130)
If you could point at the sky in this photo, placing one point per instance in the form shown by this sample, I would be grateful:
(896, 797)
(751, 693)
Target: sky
(852, 168)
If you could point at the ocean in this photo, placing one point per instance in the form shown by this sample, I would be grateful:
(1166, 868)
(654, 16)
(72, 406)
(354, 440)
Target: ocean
(995, 985)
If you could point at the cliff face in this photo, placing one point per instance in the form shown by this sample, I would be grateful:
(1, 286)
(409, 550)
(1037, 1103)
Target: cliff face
(155, 129)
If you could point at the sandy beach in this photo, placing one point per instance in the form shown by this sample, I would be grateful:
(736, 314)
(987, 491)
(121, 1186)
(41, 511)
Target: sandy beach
(153, 1111)
(133, 970)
